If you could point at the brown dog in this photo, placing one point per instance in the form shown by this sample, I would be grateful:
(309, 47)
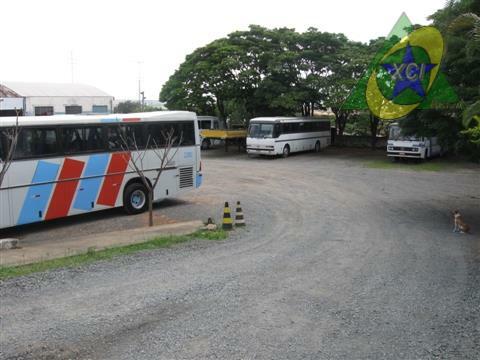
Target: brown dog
(459, 224)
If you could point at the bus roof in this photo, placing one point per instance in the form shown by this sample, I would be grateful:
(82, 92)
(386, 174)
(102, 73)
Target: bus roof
(98, 119)
(284, 119)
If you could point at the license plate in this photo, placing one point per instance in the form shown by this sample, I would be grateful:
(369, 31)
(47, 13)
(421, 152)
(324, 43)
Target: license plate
(402, 153)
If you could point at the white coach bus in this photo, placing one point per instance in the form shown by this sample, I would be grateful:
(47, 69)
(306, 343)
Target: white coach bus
(67, 164)
(400, 146)
(284, 135)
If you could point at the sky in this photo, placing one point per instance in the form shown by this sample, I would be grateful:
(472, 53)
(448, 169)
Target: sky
(113, 44)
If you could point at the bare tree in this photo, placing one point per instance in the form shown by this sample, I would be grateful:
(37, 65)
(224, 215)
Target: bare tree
(10, 134)
(164, 151)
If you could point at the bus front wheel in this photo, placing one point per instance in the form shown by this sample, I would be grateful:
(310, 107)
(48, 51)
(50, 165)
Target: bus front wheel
(317, 146)
(286, 151)
(135, 199)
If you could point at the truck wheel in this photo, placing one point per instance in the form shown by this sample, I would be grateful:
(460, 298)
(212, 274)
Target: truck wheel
(135, 199)
(286, 151)
(205, 144)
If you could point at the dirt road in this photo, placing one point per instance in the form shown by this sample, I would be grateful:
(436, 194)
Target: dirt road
(338, 261)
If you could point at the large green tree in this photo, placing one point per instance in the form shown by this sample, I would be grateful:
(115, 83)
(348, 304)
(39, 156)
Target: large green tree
(263, 72)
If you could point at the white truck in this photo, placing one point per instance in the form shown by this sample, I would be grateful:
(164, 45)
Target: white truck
(400, 146)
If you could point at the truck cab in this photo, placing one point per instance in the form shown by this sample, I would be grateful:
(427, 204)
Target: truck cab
(208, 123)
(414, 147)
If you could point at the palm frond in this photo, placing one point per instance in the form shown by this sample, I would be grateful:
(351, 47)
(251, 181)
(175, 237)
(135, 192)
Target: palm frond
(471, 114)
(467, 21)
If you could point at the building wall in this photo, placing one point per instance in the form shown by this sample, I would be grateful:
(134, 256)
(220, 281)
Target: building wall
(59, 103)
(11, 103)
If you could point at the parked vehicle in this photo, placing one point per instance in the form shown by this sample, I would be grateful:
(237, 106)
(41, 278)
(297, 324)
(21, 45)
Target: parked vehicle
(66, 164)
(285, 135)
(208, 123)
(415, 147)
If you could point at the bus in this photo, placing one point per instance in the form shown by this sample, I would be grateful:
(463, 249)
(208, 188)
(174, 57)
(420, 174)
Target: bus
(73, 164)
(400, 146)
(284, 135)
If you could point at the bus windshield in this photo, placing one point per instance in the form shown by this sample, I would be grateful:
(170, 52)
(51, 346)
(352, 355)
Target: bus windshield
(396, 134)
(258, 130)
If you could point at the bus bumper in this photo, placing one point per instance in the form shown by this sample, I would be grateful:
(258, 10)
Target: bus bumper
(261, 151)
(198, 180)
(406, 155)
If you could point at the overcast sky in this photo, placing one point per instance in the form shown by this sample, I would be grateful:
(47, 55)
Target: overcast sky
(115, 42)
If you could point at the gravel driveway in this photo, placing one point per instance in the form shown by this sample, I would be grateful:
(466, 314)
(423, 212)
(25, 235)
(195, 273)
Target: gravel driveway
(338, 261)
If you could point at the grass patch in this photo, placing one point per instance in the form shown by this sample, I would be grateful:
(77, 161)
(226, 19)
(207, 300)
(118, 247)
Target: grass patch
(93, 255)
(422, 166)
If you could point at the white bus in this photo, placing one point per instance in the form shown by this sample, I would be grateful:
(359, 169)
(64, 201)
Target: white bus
(284, 135)
(67, 164)
(413, 147)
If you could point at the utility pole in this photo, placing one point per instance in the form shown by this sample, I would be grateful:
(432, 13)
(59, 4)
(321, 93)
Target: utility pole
(142, 99)
(140, 94)
(71, 64)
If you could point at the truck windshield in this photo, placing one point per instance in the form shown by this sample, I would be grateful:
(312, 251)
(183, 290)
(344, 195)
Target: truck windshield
(259, 130)
(396, 134)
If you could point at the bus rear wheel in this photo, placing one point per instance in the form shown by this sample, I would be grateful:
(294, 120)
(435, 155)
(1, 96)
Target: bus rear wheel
(286, 151)
(135, 198)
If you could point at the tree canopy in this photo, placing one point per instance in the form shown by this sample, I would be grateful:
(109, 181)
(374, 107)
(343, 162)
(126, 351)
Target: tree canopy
(264, 72)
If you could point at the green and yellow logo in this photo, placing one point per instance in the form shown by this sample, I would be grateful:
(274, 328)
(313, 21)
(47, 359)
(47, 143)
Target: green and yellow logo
(404, 75)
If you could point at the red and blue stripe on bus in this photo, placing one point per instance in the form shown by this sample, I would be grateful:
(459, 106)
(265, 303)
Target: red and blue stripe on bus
(96, 187)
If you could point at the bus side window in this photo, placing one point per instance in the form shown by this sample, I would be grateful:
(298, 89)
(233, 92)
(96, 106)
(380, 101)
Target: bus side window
(134, 136)
(277, 130)
(157, 133)
(93, 139)
(3, 144)
(187, 132)
(114, 141)
(72, 140)
(35, 142)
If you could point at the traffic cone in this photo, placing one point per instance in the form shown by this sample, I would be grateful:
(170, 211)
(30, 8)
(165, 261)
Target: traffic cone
(227, 218)
(239, 220)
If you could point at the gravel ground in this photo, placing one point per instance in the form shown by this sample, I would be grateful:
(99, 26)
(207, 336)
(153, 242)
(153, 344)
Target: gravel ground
(338, 261)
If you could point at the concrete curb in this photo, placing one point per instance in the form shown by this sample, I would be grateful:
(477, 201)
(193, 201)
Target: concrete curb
(9, 243)
(32, 253)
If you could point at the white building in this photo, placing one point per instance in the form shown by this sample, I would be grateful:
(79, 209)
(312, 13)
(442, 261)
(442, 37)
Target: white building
(50, 99)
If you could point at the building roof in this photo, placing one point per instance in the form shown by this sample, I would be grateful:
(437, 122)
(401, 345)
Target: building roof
(5, 92)
(27, 89)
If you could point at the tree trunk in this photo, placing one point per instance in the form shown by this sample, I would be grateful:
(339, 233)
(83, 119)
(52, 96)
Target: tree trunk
(373, 130)
(150, 207)
(312, 109)
(221, 109)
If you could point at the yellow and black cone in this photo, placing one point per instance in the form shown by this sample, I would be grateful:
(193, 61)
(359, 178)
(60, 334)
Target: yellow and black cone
(239, 220)
(227, 218)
